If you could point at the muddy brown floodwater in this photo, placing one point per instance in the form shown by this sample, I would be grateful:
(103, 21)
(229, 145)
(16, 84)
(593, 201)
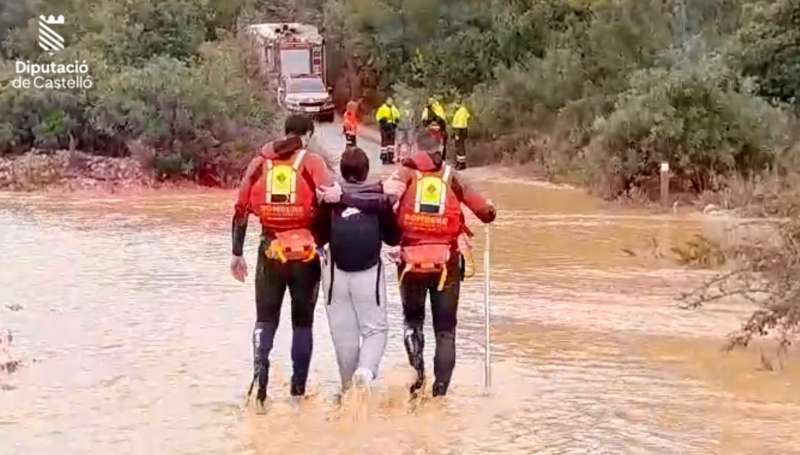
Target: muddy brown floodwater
(134, 339)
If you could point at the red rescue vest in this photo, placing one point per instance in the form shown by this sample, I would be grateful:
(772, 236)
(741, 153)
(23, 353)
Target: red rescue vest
(429, 211)
(430, 218)
(283, 196)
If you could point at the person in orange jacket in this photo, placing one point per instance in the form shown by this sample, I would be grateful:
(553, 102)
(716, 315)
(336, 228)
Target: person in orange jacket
(350, 123)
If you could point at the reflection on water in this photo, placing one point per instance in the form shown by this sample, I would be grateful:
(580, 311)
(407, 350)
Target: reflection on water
(134, 337)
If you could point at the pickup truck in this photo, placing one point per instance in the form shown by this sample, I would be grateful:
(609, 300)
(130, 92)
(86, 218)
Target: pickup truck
(306, 94)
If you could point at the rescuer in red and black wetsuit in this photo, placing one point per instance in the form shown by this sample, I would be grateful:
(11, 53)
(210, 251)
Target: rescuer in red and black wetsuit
(279, 187)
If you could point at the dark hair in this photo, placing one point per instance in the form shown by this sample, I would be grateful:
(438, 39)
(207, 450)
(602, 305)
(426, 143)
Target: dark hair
(354, 165)
(298, 124)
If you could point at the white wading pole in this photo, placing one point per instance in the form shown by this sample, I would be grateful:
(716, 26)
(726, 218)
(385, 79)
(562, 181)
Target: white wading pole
(487, 361)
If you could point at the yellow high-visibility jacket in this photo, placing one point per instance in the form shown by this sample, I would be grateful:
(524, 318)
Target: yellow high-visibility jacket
(390, 113)
(461, 118)
(437, 109)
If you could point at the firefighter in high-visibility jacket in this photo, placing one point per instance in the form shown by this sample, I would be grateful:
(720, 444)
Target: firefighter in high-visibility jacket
(279, 187)
(434, 116)
(431, 221)
(387, 117)
(460, 125)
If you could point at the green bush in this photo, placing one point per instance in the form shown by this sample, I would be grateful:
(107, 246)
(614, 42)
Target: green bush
(155, 81)
(544, 78)
(131, 33)
(41, 118)
(528, 94)
(589, 53)
(700, 118)
(769, 49)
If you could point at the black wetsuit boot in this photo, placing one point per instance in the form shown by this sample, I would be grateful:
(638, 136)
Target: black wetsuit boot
(414, 341)
(459, 139)
(443, 361)
(302, 347)
(389, 155)
(263, 336)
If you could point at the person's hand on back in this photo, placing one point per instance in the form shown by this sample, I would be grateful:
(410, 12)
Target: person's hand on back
(393, 186)
(330, 194)
(393, 254)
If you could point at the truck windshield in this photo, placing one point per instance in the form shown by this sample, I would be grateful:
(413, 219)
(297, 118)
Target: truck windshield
(306, 86)
(295, 61)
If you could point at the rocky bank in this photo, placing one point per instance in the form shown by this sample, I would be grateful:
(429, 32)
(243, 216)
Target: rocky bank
(72, 170)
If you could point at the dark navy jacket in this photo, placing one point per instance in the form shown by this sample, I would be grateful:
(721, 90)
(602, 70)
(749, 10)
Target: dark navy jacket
(356, 235)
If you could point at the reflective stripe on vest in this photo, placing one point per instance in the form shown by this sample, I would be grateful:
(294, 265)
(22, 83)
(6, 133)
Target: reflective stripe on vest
(291, 192)
(436, 186)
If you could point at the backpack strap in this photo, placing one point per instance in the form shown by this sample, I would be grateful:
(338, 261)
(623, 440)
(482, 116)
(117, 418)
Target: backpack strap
(378, 282)
(448, 171)
(418, 195)
(298, 160)
(445, 184)
(333, 274)
(268, 179)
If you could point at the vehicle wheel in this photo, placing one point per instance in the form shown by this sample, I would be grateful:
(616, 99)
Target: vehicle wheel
(327, 118)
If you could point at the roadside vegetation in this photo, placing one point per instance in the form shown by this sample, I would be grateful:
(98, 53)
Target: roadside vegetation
(170, 86)
(597, 92)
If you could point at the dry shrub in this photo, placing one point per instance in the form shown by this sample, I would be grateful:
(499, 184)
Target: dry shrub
(765, 275)
(34, 171)
(700, 252)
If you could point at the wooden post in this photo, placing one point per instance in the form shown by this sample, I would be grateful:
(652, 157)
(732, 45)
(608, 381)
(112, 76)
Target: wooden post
(665, 184)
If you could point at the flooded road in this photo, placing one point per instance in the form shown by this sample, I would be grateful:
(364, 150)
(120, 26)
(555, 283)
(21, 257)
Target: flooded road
(135, 339)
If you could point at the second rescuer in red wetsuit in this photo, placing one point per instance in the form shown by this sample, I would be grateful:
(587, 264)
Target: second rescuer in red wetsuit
(279, 187)
(430, 219)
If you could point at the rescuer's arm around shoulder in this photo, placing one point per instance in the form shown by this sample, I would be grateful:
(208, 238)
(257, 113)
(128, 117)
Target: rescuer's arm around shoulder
(483, 208)
(390, 230)
(239, 222)
(322, 223)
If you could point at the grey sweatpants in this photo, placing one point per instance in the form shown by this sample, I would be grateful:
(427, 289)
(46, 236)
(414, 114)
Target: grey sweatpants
(356, 308)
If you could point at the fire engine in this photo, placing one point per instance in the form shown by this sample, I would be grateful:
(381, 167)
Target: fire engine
(291, 58)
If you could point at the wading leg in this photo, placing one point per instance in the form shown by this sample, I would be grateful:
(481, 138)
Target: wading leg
(343, 322)
(413, 291)
(304, 289)
(444, 307)
(270, 287)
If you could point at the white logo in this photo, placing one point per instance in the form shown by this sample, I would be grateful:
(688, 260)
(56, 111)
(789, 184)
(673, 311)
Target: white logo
(52, 75)
(350, 211)
(49, 39)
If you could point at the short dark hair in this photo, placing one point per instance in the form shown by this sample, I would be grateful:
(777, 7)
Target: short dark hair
(298, 124)
(354, 165)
